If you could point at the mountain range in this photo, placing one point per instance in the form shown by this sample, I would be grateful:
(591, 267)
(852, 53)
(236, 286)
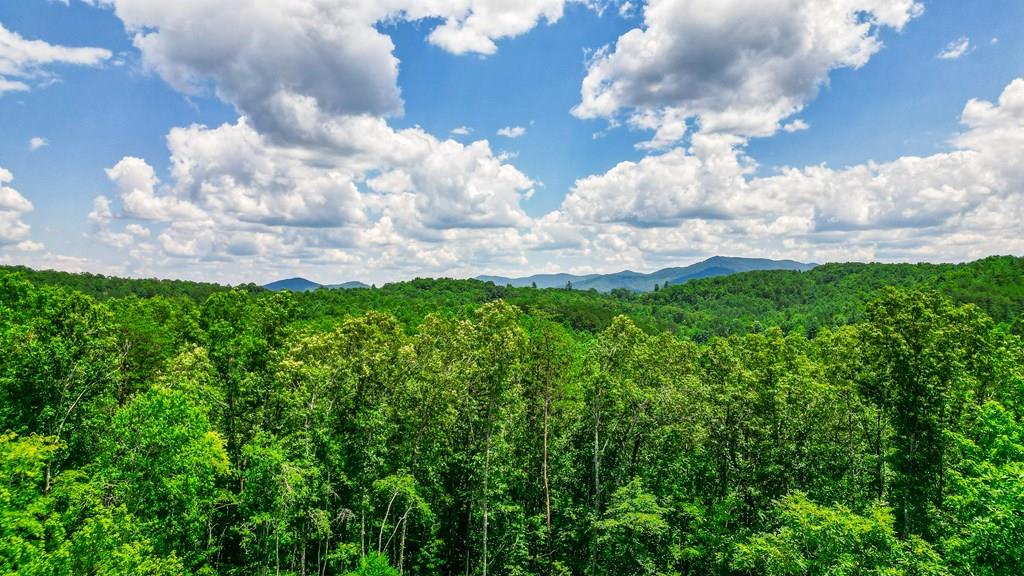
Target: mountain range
(641, 282)
(635, 281)
(303, 285)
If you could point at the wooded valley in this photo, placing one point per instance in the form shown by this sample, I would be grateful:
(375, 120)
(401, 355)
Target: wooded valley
(851, 419)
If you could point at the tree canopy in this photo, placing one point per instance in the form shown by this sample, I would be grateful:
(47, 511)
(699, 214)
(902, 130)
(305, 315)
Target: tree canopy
(852, 419)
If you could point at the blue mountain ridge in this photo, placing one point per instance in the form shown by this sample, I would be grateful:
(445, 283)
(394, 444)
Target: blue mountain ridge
(644, 282)
(304, 285)
(628, 279)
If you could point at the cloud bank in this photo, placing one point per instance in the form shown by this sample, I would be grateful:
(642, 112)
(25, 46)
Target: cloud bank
(312, 176)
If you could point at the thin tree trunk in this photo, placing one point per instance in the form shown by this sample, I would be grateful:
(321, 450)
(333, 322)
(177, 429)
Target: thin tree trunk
(401, 550)
(547, 485)
(487, 473)
(466, 534)
(60, 430)
(380, 534)
(597, 479)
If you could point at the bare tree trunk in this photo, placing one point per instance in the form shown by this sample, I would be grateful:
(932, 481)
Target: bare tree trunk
(469, 524)
(380, 534)
(60, 430)
(401, 550)
(487, 473)
(547, 485)
(597, 478)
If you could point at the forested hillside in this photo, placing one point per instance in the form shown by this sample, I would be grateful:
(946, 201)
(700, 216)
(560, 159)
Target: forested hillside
(851, 419)
(103, 287)
(836, 294)
(644, 282)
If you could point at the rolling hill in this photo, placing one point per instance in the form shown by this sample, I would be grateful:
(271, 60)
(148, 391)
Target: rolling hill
(644, 282)
(304, 285)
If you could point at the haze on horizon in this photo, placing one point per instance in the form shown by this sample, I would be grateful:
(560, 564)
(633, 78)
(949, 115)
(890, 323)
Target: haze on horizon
(385, 140)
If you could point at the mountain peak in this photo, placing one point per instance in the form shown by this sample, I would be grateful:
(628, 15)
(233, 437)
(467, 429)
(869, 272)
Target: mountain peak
(644, 282)
(296, 284)
(299, 284)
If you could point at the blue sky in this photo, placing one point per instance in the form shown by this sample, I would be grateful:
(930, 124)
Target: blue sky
(887, 168)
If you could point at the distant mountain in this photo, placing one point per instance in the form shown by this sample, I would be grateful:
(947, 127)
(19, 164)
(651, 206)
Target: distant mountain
(303, 285)
(641, 282)
(293, 284)
(542, 280)
(347, 285)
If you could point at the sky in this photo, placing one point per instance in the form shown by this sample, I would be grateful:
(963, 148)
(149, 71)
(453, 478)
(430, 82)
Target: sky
(377, 140)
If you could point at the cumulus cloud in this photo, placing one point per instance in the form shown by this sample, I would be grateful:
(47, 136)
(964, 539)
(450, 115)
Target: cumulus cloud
(36, 142)
(474, 26)
(136, 186)
(796, 126)
(311, 173)
(462, 131)
(274, 59)
(13, 231)
(704, 182)
(955, 49)
(512, 131)
(960, 204)
(24, 63)
(738, 67)
(376, 194)
(441, 207)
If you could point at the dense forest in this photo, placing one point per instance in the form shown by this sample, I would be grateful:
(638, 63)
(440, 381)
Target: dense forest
(851, 419)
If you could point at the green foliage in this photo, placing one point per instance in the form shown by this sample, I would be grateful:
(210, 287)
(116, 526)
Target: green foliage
(633, 534)
(836, 294)
(853, 419)
(813, 539)
(927, 367)
(373, 564)
(161, 461)
(66, 529)
(984, 530)
(104, 287)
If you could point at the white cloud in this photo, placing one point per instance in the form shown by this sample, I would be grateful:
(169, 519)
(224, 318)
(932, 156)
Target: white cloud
(311, 174)
(13, 231)
(137, 230)
(136, 186)
(705, 182)
(25, 62)
(955, 49)
(738, 67)
(512, 131)
(379, 198)
(474, 26)
(34, 255)
(36, 142)
(796, 126)
(311, 177)
(462, 131)
(273, 59)
(29, 246)
(955, 205)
